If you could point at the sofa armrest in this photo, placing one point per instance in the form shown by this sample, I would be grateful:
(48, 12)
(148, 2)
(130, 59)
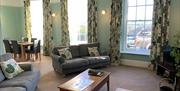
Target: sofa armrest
(25, 66)
(57, 58)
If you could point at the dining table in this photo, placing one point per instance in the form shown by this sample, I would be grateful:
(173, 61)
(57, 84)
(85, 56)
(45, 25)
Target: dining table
(24, 45)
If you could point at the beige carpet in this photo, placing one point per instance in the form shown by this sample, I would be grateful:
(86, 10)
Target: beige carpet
(121, 89)
(135, 79)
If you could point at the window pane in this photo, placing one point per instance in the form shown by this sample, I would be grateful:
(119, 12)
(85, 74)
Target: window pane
(140, 13)
(140, 2)
(131, 2)
(77, 19)
(149, 12)
(148, 26)
(139, 26)
(149, 2)
(132, 13)
(130, 40)
(142, 37)
(37, 19)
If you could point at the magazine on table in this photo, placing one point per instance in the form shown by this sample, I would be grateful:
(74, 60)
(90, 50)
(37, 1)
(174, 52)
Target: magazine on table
(82, 84)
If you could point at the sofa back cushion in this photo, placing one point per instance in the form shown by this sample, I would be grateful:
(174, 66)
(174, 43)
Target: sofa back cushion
(84, 48)
(5, 57)
(74, 51)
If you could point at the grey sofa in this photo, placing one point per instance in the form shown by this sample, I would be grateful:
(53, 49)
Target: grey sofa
(26, 81)
(80, 59)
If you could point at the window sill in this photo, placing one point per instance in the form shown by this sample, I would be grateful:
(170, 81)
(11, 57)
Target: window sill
(145, 53)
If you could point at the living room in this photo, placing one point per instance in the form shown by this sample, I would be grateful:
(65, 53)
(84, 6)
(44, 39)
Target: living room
(132, 41)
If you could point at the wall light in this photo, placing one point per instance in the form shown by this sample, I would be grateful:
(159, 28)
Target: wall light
(53, 15)
(103, 12)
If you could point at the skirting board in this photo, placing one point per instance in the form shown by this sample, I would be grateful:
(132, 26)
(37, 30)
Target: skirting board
(135, 63)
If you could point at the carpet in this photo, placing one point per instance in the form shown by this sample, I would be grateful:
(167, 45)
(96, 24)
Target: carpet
(121, 89)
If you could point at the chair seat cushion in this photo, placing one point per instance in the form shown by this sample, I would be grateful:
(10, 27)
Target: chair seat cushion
(97, 60)
(27, 80)
(74, 63)
(12, 89)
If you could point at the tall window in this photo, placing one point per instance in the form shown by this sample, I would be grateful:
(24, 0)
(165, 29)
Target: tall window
(77, 18)
(37, 19)
(137, 26)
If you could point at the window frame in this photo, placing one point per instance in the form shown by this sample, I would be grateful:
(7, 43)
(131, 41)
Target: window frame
(124, 30)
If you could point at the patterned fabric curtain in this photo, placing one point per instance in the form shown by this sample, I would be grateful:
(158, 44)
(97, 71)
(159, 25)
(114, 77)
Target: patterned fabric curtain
(64, 23)
(92, 21)
(27, 17)
(115, 23)
(160, 29)
(47, 28)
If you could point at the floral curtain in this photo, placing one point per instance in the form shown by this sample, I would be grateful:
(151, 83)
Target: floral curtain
(115, 23)
(27, 17)
(47, 28)
(92, 21)
(160, 29)
(64, 23)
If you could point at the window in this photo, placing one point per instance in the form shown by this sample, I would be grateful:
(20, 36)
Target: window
(137, 26)
(77, 19)
(37, 19)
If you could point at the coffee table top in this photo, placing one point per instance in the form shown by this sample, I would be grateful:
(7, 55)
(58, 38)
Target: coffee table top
(96, 80)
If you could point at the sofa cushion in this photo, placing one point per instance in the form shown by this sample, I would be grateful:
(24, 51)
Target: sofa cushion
(93, 51)
(65, 53)
(2, 77)
(12, 89)
(84, 48)
(74, 51)
(28, 80)
(97, 60)
(55, 50)
(75, 63)
(10, 68)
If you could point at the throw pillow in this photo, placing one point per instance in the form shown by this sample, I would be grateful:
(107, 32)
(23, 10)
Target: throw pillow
(65, 53)
(10, 68)
(93, 51)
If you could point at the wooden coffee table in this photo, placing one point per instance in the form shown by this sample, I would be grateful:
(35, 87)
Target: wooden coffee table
(97, 82)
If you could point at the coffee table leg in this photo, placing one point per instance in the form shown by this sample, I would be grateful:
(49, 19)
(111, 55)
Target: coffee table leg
(108, 84)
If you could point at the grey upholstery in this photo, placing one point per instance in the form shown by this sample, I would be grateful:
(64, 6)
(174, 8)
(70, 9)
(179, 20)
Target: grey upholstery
(80, 59)
(75, 63)
(6, 57)
(84, 48)
(75, 51)
(1, 76)
(12, 89)
(26, 67)
(26, 81)
(97, 60)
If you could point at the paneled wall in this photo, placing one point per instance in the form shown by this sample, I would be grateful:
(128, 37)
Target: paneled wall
(175, 21)
(11, 21)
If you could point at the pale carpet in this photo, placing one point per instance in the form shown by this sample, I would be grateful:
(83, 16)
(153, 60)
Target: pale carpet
(131, 78)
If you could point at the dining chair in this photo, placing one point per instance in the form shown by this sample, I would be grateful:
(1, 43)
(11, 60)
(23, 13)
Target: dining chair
(16, 48)
(8, 46)
(33, 39)
(35, 50)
